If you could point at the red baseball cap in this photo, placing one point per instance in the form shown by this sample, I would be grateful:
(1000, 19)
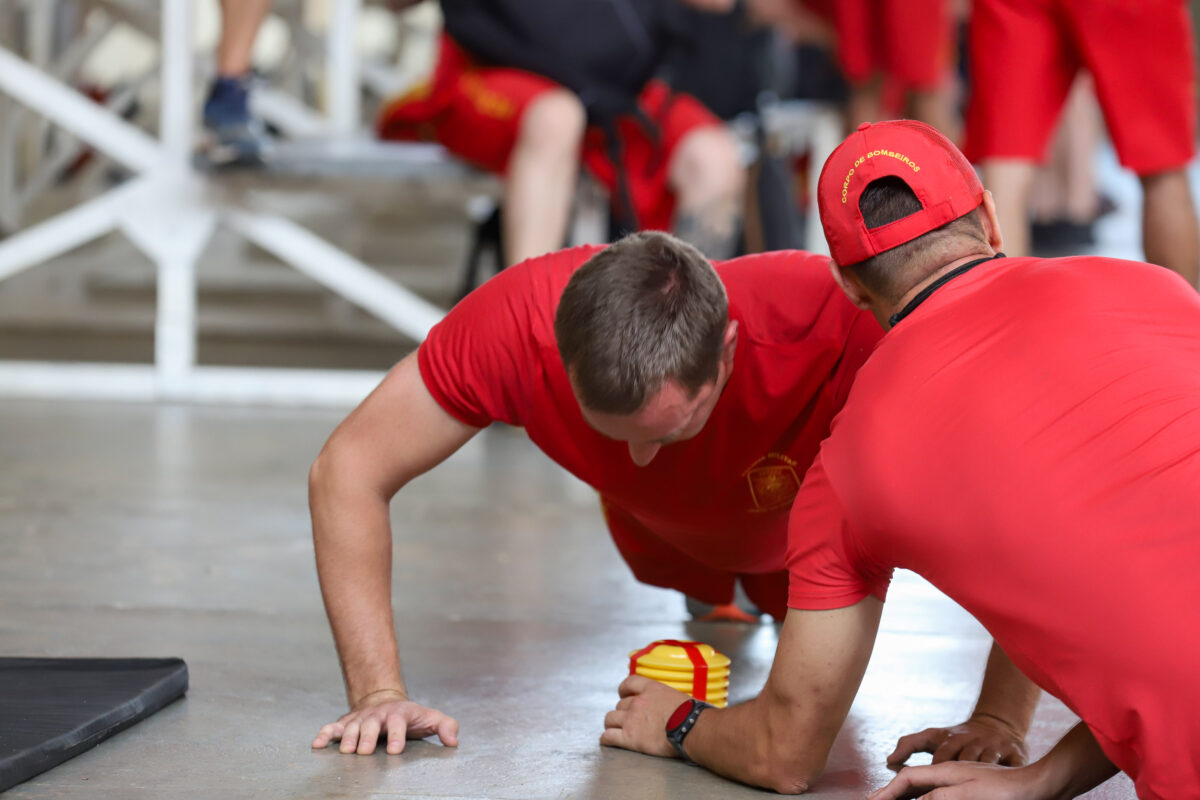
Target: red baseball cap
(918, 154)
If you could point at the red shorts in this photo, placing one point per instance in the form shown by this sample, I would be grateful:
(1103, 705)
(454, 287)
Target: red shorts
(657, 563)
(475, 113)
(1025, 55)
(909, 41)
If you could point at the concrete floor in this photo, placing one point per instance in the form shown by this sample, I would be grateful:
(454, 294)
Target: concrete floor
(131, 530)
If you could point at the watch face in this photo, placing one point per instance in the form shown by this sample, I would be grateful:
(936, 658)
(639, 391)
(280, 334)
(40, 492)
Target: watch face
(679, 715)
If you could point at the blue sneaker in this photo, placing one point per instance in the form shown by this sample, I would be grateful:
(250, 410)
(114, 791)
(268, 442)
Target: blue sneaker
(236, 137)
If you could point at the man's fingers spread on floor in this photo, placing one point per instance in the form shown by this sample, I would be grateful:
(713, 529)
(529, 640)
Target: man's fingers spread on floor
(614, 719)
(614, 737)
(329, 732)
(947, 793)
(923, 742)
(901, 786)
(368, 738)
(974, 752)
(397, 733)
(949, 751)
(447, 731)
(625, 703)
(349, 738)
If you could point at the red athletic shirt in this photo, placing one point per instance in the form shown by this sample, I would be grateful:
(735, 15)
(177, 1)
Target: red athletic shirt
(721, 497)
(1028, 439)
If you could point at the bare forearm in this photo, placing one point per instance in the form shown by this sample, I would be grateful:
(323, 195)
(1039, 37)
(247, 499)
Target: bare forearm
(754, 744)
(782, 738)
(352, 537)
(1007, 696)
(1075, 765)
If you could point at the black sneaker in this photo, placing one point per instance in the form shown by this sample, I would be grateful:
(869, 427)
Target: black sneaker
(236, 138)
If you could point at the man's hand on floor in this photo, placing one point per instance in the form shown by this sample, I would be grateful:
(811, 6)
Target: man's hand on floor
(387, 713)
(964, 781)
(639, 722)
(981, 738)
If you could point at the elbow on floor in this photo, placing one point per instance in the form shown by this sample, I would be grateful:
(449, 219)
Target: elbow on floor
(789, 784)
(785, 774)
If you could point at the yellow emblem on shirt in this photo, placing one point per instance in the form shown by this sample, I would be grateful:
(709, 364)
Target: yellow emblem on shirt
(773, 482)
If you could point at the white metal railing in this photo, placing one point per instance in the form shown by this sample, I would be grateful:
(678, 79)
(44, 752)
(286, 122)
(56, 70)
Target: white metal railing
(169, 214)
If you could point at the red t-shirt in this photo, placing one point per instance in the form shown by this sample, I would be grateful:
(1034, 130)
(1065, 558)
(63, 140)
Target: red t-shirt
(721, 497)
(1028, 439)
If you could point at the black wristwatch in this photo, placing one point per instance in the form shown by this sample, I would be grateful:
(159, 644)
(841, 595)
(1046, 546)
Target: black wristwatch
(681, 722)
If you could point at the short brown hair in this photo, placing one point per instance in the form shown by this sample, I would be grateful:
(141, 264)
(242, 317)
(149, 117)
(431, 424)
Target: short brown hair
(644, 310)
(892, 272)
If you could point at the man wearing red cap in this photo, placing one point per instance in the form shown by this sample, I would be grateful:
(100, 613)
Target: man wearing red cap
(691, 397)
(1027, 437)
(1025, 55)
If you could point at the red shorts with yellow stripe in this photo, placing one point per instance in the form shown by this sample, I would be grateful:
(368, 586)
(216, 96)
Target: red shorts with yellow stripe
(475, 112)
(655, 562)
(1025, 55)
(910, 42)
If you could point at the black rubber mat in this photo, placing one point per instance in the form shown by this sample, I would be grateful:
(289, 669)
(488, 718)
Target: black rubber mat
(52, 709)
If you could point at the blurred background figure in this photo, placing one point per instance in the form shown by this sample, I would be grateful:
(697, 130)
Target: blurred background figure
(1066, 201)
(1024, 58)
(236, 135)
(531, 90)
(898, 57)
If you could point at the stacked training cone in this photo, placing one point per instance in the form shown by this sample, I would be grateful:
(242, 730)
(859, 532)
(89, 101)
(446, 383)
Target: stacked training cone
(693, 668)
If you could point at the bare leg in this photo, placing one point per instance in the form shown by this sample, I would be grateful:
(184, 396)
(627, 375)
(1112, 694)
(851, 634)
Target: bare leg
(240, 20)
(709, 181)
(1078, 152)
(542, 172)
(1048, 200)
(1010, 181)
(936, 107)
(1065, 188)
(1170, 233)
(865, 103)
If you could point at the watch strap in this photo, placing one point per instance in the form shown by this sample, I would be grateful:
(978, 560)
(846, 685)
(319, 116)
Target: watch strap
(681, 722)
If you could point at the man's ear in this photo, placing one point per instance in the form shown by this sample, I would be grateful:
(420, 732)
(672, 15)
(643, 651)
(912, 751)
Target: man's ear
(729, 346)
(991, 223)
(850, 285)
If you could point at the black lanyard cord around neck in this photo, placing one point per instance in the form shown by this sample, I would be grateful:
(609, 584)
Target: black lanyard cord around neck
(924, 294)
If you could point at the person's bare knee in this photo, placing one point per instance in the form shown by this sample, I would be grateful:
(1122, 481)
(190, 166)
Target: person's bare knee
(553, 124)
(707, 164)
(709, 181)
(541, 175)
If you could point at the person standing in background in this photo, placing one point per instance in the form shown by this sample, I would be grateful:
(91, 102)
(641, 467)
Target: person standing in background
(1024, 57)
(236, 135)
